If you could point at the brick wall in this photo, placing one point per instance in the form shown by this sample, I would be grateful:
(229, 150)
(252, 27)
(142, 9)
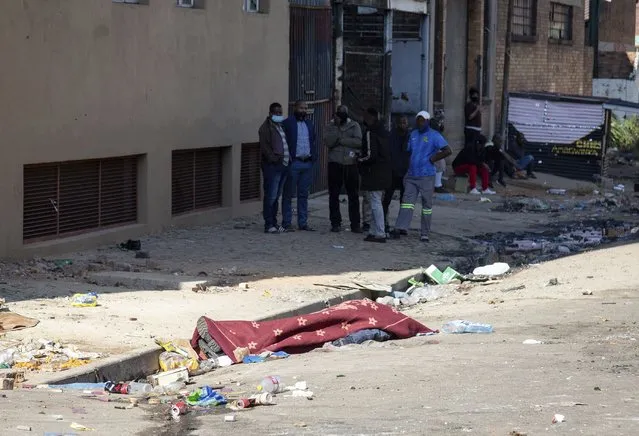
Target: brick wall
(544, 65)
(617, 22)
(615, 65)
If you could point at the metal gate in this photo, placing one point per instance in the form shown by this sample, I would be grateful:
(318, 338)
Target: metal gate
(311, 71)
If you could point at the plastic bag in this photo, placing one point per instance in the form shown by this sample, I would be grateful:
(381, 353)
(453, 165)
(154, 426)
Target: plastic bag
(170, 360)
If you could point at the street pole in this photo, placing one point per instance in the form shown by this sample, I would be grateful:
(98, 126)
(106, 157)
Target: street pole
(504, 93)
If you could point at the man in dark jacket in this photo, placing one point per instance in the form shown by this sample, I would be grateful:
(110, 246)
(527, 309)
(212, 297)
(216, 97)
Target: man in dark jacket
(400, 157)
(376, 172)
(470, 161)
(300, 135)
(275, 161)
(343, 137)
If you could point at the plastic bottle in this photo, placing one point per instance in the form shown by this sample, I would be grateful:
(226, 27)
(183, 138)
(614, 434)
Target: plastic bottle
(79, 386)
(271, 384)
(6, 357)
(90, 299)
(136, 388)
(170, 389)
(207, 366)
(462, 326)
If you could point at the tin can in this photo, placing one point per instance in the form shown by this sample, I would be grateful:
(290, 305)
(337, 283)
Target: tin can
(262, 399)
(245, 403)
(178, 409)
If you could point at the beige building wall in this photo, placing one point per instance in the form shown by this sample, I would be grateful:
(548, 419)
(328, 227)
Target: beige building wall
(83, 79)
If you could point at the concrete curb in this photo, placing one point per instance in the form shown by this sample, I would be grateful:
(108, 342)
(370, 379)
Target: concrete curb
(142, 362)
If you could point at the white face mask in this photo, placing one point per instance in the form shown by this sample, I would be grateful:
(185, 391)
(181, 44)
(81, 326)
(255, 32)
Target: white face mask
(277, 118)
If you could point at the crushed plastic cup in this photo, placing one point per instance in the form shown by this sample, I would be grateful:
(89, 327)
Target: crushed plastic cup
(558, 418)
(90, 299)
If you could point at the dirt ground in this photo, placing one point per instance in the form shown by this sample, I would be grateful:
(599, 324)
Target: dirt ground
(447, 384)
(284, 271)
(484, 384)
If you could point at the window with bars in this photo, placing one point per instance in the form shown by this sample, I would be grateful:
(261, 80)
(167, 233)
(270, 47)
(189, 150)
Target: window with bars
(196, 179)
(560, 22)
(65, 198)
(524, 20)
(250, 172)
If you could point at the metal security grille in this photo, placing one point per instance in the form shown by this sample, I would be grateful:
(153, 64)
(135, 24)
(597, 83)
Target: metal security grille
(196, 179)
(524, 18)
(560, 22)
(64, 198)
(250, 172)
(407, 26)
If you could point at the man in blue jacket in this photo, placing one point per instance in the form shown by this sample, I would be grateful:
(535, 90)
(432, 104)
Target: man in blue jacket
(427, 146)
(300, 136)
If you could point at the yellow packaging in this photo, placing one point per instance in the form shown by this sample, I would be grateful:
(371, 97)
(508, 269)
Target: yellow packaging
(170, 360)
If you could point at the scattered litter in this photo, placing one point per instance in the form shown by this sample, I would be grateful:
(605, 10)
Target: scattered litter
(462, 326)
(553, 282)
(531, 342)
(80, 427)
(301, 424)
(57, 417)
(619, 188)
(485, 200)
(496, 269)
(586, 293)
(339, 247)
(23, 428)
(267, 294)
(439, 277)
(43, 354)
(205, 396)
(558, 418)
(131, 245)
(634, 230)
(265, 356)
(305, 394)
(90, 299)
(516, 433)
(61, 263)
(168, 377)
(597, 388)
(243, 286)
(557, 191)
(524, 205)
(445, 197)
(229, 418)
(178, 409)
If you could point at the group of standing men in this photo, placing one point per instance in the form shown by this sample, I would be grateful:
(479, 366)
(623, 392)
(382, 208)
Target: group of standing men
(373, 162)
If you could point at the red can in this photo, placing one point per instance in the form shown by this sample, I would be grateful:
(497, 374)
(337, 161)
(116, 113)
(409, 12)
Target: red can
(245, 403)
(178, 409)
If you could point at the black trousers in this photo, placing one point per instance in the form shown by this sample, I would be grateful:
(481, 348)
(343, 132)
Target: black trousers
(398, 183)
(348, 176)
(471, 136)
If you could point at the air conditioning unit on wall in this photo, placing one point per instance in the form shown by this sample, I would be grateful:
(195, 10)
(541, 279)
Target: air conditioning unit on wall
(185, 3)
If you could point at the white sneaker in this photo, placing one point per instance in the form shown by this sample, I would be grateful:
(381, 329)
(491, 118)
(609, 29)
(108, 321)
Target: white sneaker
(474, 191)
(273, 230)
(489, 192)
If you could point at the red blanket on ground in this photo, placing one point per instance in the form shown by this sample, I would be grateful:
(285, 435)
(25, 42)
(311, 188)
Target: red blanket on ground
(302, 333)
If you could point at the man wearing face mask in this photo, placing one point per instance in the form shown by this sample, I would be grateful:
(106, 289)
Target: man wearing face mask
(472, 112)
(427, 146)
(300, 135)
(343, 137)
(275, 161)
